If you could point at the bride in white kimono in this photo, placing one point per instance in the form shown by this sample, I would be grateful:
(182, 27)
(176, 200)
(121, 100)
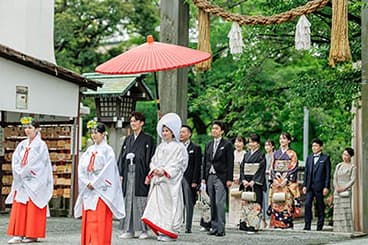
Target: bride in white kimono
(164, 210)
(100, 195)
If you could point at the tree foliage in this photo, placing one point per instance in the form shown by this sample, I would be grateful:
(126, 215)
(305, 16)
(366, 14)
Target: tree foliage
(84, 29)
(264, 90)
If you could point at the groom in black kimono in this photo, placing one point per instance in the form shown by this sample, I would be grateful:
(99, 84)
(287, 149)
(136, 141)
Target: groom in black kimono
(133, 164)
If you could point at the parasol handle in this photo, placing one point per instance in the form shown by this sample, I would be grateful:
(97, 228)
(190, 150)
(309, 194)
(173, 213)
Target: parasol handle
(157, 96)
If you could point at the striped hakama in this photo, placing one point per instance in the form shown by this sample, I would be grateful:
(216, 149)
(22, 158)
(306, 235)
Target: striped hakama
(135, 205)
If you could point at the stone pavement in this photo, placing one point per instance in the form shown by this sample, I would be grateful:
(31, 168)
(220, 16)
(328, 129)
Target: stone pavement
(67, 231)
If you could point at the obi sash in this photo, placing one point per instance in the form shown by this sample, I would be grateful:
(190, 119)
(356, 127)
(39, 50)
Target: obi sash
(250, 168)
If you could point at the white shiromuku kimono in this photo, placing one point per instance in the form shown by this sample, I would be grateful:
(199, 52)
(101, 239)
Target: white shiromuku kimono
(32, 173)
(104, 178)
(164, 210)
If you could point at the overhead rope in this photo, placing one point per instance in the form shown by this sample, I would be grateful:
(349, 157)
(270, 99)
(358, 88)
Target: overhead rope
(339, 50)
(308, 8)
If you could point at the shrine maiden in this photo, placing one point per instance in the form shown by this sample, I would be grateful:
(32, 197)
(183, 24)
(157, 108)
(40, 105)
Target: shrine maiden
(32, 186)
(100, 195)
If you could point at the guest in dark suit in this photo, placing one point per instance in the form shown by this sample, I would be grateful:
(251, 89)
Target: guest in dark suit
(134, 165)
(316, 183)
(192, 175)
(218, 165)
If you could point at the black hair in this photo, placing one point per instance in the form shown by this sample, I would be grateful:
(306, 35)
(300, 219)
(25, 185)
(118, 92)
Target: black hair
(286, 135)
(240, 138)
(271, 142)
(350, 151)
(35, 123)
(138, 116)
(100, 128)
(219, 123)
(317, 141)
(255, 137)
(187, 127)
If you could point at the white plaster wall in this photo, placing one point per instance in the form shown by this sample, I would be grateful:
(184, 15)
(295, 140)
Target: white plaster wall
(28, 26)
(47, 94)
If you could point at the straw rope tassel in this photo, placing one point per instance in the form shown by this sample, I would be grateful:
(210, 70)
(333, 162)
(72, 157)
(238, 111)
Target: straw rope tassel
(204, 43)
(340, 49)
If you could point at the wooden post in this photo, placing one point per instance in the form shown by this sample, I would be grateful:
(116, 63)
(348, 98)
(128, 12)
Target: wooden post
(75, 158)
(363, 170)
(173, 84)
(305, 134)
(357, 160)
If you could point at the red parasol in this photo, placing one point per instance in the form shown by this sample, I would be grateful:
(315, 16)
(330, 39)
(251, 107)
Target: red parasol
(152, 57)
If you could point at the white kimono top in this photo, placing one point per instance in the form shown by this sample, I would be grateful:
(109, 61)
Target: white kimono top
(32, 173)
(164, 209)
(98, 167)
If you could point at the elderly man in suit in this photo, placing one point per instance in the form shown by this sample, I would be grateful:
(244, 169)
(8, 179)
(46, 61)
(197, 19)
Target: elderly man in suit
(218, 165)
(316, 183)
(192, 175)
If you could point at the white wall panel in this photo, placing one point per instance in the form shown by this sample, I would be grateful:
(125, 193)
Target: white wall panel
(46, 94)
(28, 26)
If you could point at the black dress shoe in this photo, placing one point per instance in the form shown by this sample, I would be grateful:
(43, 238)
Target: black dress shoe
(307, 228)
(212, 233)
(220, 234)
(188, 231)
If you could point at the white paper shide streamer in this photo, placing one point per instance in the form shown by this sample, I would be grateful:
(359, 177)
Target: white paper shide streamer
(302, 34)
(235, 39)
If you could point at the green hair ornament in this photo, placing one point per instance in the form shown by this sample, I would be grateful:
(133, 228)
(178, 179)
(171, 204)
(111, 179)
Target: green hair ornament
(91, 124)
(26, 120)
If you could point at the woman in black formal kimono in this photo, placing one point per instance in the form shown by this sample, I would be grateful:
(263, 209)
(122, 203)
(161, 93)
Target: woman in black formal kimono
(252, 178)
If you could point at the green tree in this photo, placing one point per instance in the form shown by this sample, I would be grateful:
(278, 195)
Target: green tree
(84, 32)
(82, 26)
(266, 88)
(263, 90)
(84, 29)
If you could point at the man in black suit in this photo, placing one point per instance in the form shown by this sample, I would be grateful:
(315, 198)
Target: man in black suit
(316, 183)
(192, 175)
(218, 165)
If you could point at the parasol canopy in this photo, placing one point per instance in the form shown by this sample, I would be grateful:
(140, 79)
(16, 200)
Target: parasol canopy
(152, 57)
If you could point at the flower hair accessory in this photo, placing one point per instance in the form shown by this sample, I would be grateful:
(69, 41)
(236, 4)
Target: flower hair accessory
(91, 124)
(26, 120)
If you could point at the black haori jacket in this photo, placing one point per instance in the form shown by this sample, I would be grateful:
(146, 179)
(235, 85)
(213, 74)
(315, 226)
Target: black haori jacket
(143, 149)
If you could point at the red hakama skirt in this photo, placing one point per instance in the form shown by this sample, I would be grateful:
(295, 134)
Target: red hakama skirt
(97, 225)
(27, 220)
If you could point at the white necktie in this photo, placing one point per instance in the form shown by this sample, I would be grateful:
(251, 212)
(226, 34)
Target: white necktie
(215, 145)
(315, 159)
